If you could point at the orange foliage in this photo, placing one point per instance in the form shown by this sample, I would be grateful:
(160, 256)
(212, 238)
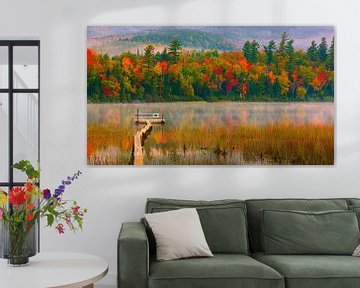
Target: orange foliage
(319, 81)
(245, 65)
(110, 86)
(272, 77)
(91, 56)
(164, 66)
(127, 63)
(284, 82)
(295, 76)
(244, 89)
(93, 64)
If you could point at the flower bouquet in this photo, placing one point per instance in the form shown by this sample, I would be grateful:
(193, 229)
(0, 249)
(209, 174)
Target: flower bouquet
(21, 208)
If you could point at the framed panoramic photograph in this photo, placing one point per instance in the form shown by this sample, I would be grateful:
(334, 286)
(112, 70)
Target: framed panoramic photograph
(210, 95)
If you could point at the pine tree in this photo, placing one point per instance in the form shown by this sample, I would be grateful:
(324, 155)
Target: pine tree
(254, 51)
(331, 56)
(149, 55)
(164, 55)
(282, 44)
(269, 51)
(175, 49)
(247, 50)
(313, 52)
(289, 48)
(290, 51)
(251, 51)
(322, 50)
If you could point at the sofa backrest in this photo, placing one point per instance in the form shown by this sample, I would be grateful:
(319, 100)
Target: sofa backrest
(353, 202)
(223, 221)
(256, 205)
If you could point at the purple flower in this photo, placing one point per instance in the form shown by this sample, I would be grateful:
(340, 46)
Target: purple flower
(58, 192)
(46, 194)
(68, 181)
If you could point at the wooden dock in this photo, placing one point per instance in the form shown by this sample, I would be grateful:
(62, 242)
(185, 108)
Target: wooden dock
(139, 140)
(148, 119)
(151, 117)
(152, 121)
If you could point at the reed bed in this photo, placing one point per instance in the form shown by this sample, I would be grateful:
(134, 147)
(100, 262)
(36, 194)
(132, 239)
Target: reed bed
(272, 144)
(108, 144)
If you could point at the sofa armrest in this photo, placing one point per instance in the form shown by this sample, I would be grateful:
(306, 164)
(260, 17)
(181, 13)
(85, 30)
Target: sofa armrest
(133, 256)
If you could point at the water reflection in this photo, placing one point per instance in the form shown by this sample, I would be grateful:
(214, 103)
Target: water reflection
(214, 114)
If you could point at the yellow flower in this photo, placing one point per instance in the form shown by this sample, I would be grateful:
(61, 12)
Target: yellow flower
(3, 198)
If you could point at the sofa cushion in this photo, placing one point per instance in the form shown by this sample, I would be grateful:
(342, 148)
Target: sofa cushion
(354, 205)
(224, 221)
(353, 201)
(222, 270)
(178, 234)
(356, 209)
(255, 206)
(297, 232)
(314, 271)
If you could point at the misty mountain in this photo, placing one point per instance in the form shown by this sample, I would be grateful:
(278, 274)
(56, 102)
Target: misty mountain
(188, 37)
(214, 37)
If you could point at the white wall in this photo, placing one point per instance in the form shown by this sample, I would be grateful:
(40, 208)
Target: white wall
(117, 194)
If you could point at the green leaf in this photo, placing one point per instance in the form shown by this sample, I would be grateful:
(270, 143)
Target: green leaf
(26, 167)
(50, 219)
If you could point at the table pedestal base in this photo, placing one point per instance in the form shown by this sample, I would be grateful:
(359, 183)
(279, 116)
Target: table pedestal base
(89, 286)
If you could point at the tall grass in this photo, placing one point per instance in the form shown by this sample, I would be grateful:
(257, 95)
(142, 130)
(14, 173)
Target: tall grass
(108, 144)
(272, 144)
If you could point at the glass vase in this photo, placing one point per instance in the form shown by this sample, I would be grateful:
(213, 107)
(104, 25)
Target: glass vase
(18, 242)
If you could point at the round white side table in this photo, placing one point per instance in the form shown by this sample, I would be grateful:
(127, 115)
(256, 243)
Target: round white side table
(50, 270)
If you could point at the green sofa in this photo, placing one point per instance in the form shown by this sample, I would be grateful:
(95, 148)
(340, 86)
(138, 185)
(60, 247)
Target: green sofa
(233, 231)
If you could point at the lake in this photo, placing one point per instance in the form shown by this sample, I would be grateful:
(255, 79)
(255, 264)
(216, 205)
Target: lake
(215, 133)
(233, 113)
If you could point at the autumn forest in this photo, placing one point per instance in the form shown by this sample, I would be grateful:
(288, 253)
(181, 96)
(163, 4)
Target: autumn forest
(275, 72)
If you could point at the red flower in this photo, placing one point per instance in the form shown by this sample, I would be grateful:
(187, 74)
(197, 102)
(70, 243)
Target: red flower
(60, 228)
(27, 196)
(29, 186)
(17, 196)
(68, 219)
(75, 209)
(29, 217)
(29, 206)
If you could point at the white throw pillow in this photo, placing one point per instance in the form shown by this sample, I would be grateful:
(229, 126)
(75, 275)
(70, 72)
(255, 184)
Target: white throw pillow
(357, 251)
(178, 234)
